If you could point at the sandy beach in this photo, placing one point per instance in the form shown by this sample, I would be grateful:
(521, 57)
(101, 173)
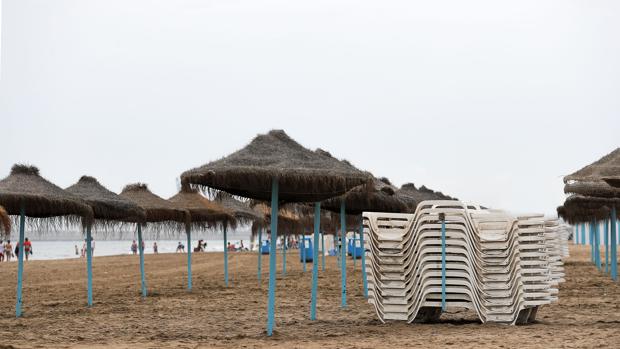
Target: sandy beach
(55, 312)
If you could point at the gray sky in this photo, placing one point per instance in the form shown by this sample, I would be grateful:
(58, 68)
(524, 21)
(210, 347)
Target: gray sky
(489, 101)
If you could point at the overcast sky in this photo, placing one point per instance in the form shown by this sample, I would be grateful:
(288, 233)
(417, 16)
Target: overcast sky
(489, 101)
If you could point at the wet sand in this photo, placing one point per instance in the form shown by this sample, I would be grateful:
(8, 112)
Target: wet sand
(55, 312)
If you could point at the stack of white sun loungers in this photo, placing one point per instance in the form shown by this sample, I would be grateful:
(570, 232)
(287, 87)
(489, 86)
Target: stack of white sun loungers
(501, 267)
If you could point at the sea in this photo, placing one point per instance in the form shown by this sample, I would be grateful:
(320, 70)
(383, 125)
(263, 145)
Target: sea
(65, 249)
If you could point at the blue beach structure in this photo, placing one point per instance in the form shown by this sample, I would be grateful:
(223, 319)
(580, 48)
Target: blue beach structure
(26, 194)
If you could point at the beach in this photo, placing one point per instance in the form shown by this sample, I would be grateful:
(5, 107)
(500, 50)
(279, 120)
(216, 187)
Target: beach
(55, 312)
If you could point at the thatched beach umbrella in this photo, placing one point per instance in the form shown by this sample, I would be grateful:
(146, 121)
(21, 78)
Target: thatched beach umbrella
(25, 193)
(107, 207)
(5, 222)
(288, 222)
(158, 211)
(204, 214)
(274, 167)
(380, 197)
(412, 196)
(595, 193)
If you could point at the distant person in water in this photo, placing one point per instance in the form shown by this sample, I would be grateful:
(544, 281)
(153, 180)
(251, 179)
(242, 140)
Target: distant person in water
(155, 247)
(241, 247)
(134, 247)
(77, 253)
(180, 248)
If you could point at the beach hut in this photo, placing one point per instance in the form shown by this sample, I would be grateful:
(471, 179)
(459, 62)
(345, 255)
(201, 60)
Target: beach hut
(275, 168)
(25, 193)
(378, 197)
(108, 208)
(204, 214)
(594, 197)
(244, 215)
(159, 212)
(5, 222)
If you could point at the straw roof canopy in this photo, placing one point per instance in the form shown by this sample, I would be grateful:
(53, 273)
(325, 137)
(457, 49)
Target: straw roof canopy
(592, 188)
(303, 175)
(580, 208)
(288, 221)
(614, 181)
(41, 198)
(378, 198)
(203, 212)
(157, 209)
(5, 221)
(242, 211)
(607, 166)
(412, 196)
(106, 205)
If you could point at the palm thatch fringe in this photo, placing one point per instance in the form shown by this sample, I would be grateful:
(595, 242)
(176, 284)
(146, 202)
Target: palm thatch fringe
(303, 175)
(242, 211)
(380, 197)
(412, 196)
(39, 197)
(165, 214)
(204, 214)
(592, 188)
(107, 206)
(5, 222)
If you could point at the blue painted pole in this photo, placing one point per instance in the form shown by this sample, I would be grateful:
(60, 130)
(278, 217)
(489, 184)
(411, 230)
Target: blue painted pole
(597, 249)
(591, 241)
(141, 249)
(225, 256)
(337, 248)
(189, 257)
(284, 247)
(583, 233)
(303, 251)
(614, 257)
(576, 236)
(364, 278)
(343, 256)
(354, 252)
(20, 260)
(323, 250)
(315, 259)
(260, 253)
(89, 265)
(606, 240)
(443, 264)
(272, 258)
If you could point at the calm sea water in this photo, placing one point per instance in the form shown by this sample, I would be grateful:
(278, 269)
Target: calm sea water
(66, 249)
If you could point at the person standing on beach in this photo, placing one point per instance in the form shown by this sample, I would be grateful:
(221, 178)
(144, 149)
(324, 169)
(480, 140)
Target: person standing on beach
(134, 247)
(155, 247)
(27, 248)
(8, 250)
(1, 251)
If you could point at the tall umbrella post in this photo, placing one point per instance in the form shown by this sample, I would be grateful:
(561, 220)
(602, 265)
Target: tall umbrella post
(89, 265)
(225, 257)
(315, 259)
(272, 258)
(576, 235)
(583, 233)
(597, 245)
(614, 257)
(591, 241)
(141, 250)
(303, 251)
(20, 261)
(364, 278)
(323, 250)
(283, 255)
(343, 257)
(260, 252)
(354, 251)
(189, 257)
(606, 241)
